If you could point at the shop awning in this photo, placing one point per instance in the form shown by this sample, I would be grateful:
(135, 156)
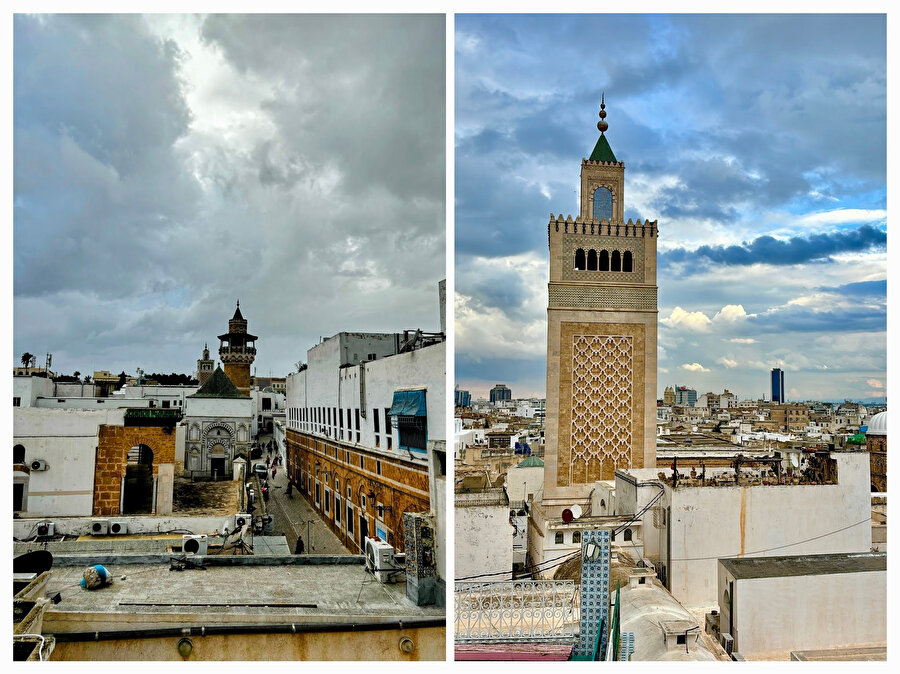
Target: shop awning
(409, 404)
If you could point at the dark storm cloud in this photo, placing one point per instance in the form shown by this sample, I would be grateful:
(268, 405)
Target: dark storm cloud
(501, 370)
(808, 320)
(860, 289)
(796, 250)
(294, 162)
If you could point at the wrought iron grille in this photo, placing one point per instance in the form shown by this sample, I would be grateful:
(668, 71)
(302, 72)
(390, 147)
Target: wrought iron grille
(533, 610)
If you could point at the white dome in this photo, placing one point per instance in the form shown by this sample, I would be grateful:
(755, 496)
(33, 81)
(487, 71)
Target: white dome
(878, 424)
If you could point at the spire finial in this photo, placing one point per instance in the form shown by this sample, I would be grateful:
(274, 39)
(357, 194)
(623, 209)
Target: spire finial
(239, 304)
(602, 124)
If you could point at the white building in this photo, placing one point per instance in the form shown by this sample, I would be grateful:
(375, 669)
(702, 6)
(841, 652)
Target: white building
(689, 527)
(483, 536)
(64, 443)
(774, 606)
(216, 427)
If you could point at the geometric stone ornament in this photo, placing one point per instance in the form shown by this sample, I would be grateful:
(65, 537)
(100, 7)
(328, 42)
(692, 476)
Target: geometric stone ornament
(594, 591)
(602, 405)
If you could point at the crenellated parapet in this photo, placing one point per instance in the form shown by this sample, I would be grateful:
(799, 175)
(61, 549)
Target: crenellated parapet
(604, 227)
(608, 164)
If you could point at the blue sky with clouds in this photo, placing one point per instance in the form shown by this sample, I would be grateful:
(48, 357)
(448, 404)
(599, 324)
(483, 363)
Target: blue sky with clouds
(758, 143)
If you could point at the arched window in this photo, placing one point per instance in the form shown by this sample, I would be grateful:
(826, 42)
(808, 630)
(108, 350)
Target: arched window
(627, 535)
(604, 260)
(579, 260)
(627, 263)
(559, 538)
(592, 260)
(602, 204)
(616, 262)
(19, 454)
(576, 537)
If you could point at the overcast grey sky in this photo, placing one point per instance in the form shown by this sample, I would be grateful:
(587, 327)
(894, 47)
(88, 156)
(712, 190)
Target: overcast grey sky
(167, 166)
(758, 142)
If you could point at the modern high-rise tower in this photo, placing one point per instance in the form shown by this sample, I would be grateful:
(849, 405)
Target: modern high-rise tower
(237, 351)
(601, 337)
(777, 385)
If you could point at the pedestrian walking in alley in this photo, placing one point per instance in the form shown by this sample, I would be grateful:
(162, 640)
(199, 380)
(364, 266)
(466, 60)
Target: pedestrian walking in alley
(267, 462)
(300, 547)
(273, 472)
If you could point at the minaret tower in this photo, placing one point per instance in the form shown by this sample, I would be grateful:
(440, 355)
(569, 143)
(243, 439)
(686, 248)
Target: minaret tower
(237, 351)
(204, 366)
(601, 337)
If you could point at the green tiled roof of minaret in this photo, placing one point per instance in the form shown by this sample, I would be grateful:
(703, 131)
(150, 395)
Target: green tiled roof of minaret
(602, 150)
(218, 386)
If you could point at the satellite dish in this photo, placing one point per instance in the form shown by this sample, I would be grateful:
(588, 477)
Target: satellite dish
(795, 460)
(567, 515)
(576, 511)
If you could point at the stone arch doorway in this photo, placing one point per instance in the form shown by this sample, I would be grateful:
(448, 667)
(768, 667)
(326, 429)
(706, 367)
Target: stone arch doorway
(217, 460)
(138, 497)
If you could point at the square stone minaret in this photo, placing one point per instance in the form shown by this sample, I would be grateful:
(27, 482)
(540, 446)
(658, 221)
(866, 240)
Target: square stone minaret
(601, 337)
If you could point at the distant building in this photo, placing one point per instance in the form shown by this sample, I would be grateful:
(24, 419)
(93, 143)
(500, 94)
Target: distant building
(876, 444)
(462, 398)
(204, 366)
(685, 397)
(777, 385)
(500, 393)
(669, 396)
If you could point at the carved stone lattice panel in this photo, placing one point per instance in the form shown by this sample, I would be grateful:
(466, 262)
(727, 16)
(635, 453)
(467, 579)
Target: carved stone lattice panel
(598, 242)
(602, 404)
(601, 394)
(603, 297)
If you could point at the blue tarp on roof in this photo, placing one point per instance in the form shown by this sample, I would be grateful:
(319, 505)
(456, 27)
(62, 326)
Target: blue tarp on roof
(408, 403)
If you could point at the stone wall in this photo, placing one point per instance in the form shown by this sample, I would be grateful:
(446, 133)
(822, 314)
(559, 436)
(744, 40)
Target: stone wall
(113, 443)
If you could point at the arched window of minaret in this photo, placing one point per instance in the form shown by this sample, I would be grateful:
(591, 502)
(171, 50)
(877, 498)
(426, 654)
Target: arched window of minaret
(616, 261)
(627, 263)
(592, 260)
(579, 259)
(602, 204)
(604, 260)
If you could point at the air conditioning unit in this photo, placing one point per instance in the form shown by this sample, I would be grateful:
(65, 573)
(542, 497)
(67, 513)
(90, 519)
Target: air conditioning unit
(380, 561)
(46, 528)
(118, 527)
(727, 642)
(99, 527)
(241, 519)
(195, 544)
(39, 464)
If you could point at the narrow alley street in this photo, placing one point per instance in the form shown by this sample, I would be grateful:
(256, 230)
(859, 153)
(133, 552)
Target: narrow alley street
(294, 516)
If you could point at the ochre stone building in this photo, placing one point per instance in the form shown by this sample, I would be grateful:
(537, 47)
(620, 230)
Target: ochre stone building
(601, 336)
(135, 466)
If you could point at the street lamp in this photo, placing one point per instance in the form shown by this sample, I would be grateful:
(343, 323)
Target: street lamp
(308, 538)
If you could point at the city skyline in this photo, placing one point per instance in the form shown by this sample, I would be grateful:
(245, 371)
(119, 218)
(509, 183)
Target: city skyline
(166, 166)
(757, 142)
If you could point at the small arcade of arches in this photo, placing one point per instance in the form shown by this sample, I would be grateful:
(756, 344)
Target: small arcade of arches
(591, 260)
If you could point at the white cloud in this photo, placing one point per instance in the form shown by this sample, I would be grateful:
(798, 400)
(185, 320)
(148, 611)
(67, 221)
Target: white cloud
(875, 383)
(731, 313)
(694, 367)
(742, 340)
(727, 362)
(696, 321)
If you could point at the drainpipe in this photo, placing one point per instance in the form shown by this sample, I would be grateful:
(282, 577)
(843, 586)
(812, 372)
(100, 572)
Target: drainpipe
(121, 494)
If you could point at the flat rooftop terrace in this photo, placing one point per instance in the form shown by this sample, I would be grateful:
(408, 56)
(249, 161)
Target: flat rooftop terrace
(804, 565)
(300, 591)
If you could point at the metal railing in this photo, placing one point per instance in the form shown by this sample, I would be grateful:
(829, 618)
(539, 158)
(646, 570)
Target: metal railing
(518, 610)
